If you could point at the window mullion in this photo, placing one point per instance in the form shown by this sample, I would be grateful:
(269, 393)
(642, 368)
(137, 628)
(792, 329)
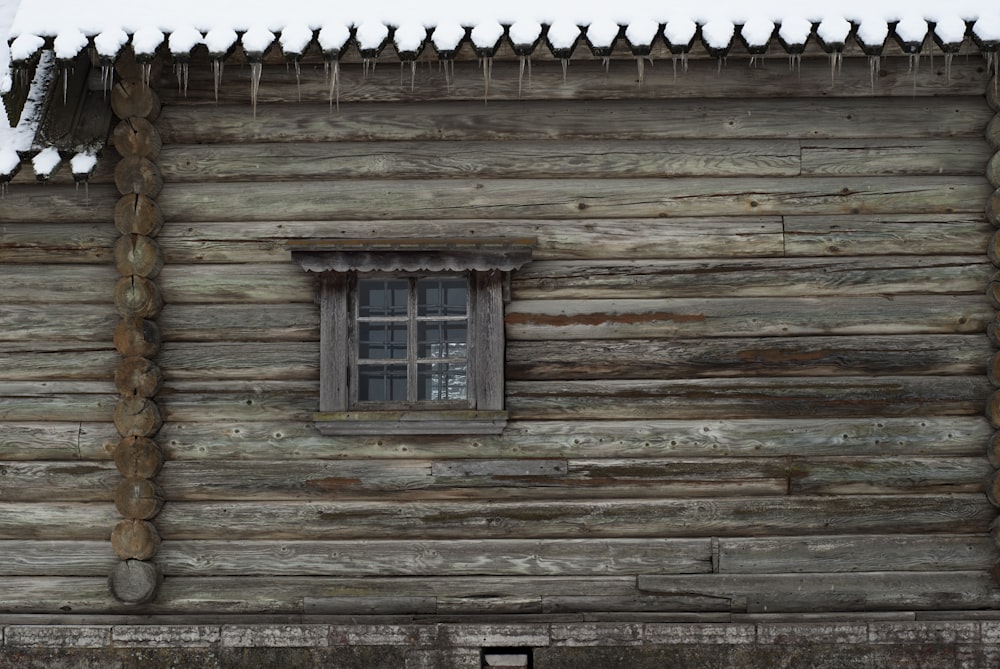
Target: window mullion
(411, 342)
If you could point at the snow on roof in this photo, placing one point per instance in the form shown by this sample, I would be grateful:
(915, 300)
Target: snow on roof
(63, 28)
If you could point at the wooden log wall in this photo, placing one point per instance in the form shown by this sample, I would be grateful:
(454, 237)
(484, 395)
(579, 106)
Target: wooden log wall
(747, 369)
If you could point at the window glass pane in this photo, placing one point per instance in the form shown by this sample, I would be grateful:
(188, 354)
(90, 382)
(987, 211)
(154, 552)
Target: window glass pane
(438, 381)
(381, 340)
(441, 297)
(382, 297)
(382, 383)
(441, 339)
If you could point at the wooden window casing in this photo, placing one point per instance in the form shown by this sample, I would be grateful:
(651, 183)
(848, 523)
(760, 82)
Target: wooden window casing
(486, 264)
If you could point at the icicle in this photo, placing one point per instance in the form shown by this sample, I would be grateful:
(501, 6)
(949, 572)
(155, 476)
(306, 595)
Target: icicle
(217, 66)
(333, 77)
(722, 60)
(145, 70)
(873, 67)
(522, 60)
(413, 75)
(914, 67)
(298, 79)
(640, 63)
(181, 69)
(606, 61)
(487, 65)
(256, 68)
(65, 79)
(107, 78)
(367, 66)
(565, 67)
(795, 62)
(3, 189)
(753, 61)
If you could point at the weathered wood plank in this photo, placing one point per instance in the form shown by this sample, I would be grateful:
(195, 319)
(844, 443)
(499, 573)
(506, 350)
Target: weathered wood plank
(550, 557)
(262, 322)
(585, 79)
(516, 158)
(728, 118)
(747, 398)
(56, 405)
(283, 283)
(754, 516)
(586, 198)
(264, 241)
(752, 277)
(58, 481)
(56, 558)
(883, 590)
(773, 356)
(53, 203)
(87, 364)
(856, 553)
(959, 436)
(244, 360)
(746, 317)
(40, 441)
(50, 243)
(84, 521)
(850, 475)
(36, 322)
(896, 156)
(881, 235)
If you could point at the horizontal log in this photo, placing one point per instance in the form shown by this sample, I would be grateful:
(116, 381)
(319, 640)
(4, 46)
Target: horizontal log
(953, 513)
(55, 203)
(58, 481)
(245, 360)
(51, 243)
(260, 323)
(837, 592)
(288, 440)
(68, 521)
(745, 317)
(264, 241)
(752, 277)
(516, 158)
(850, 476)
(62, 284)
(895, 156)
(747, 398)
(856, 553)
(40, 441)
(95, 364)
(588, 198)
(58, 407)
(514, 558)
(584, 78)
(731, 117)
(775, 356)
(33, 322)
(886, 234)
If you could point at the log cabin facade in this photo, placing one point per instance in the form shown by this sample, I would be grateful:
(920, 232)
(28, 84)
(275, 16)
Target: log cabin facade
(747, 372)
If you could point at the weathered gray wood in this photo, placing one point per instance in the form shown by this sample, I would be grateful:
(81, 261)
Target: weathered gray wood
(58, 407)
(649, 198)
(131, 97)
(138, 499)
(93, 363)
(59, 204)
(137, 297)
(138, 376)
(752, 277)
(35, 557)
(244, 360)
(134, 581)
(137, 417)
(896, 156)
(857, 591)
(58, 481)
(69, 521)
(952, 513)
(771, 356)
(138, 457)
(139, 176)
(628, 158)
(856, 553)
(886, 234)
(848, 476)
(137, 213)
(560, 238)
(72, 284)
(728, 118)
(139, 255)
(249, 283)
(747, 398)
(136, 136)
(586, 79)
(137, 337)
(961, 436)
(549, 557)
(263, 322)
(746, 317)
(51, 243)
(40, 441)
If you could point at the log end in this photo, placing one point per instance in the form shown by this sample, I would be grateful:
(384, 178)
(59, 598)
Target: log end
(135, 581)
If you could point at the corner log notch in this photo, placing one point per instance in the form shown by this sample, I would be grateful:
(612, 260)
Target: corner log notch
(138, 259)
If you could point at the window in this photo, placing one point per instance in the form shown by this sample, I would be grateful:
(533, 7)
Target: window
(411, 333)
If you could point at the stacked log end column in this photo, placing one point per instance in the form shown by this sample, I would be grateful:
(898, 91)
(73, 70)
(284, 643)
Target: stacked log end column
(138, 259)
(993, 214)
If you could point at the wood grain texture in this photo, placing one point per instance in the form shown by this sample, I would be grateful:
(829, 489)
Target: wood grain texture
(885, 234)
(728, 118)
(563, 198)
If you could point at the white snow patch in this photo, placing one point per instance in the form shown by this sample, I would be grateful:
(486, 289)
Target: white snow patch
(25, 46)
(912, 29)
(873, 32)
(371, 34)
(602, 33)
(46, 161)
(757, 31)
(795, 30)
(9, 160)
(642, 33)
(950, 30)
(987, 28)
(182, 40)
(410, 36)
(524, 33)
(146, 40)
(83, 163)
(218, 40)
(333, 36)
(563, 34)
(257, 39)
(486, 35)
(834, 29)
(69, 43)
(110, 42)
(718, 34)
(295, 38)
(447, 36)
(680, 31)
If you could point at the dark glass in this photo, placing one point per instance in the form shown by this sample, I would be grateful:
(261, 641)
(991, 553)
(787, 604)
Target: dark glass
(381, 340)
(441, 297)
(382, 298)
(441, 339)
(382, 383)
(437, 382)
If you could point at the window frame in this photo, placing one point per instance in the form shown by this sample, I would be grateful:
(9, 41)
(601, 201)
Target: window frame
(486, 262)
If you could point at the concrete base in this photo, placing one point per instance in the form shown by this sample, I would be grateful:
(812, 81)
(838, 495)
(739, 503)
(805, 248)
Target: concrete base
(833, 645)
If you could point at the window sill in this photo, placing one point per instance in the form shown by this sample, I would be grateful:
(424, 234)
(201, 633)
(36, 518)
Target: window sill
(378, 423)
